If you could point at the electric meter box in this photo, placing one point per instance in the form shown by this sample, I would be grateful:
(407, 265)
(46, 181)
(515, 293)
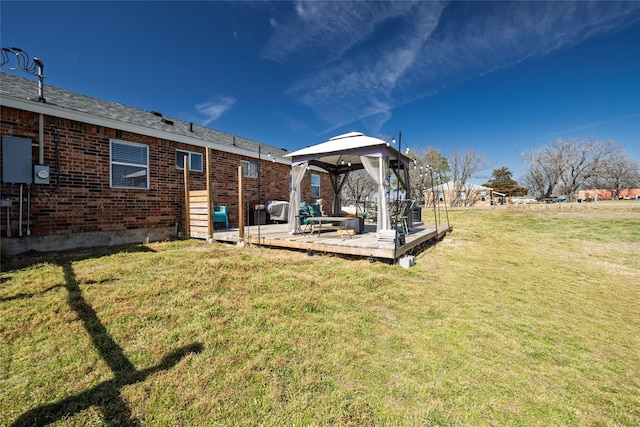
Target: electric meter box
(16, 160)
(41, 174)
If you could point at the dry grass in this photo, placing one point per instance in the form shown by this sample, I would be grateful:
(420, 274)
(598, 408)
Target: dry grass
(523, 315)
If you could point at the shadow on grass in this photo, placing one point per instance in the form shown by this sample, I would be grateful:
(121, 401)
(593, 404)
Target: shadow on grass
(30, 295)
(105, 395)
(32, 258)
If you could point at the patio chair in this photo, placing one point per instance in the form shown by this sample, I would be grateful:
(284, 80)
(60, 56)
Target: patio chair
(307, 211)
(303, 215)
(398, 214)
(314, 209)
(220, 215)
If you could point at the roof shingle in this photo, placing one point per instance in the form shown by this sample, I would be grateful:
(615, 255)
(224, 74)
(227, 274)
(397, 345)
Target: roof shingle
(21, 88)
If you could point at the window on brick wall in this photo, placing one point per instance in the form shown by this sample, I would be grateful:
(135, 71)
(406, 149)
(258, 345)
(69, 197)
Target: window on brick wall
(315, 186)
(195, 160)
(129, 165)
(249, 169)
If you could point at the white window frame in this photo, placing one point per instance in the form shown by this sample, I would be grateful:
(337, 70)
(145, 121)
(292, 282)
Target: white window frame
(249, 169)
(315, 177)
(136, 165)
(191, 154)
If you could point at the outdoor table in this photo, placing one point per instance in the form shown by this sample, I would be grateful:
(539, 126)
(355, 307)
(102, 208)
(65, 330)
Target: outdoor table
(342, 221)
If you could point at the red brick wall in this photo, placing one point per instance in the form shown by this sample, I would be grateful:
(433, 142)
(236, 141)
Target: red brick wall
(630, 193)
(273, 183)
(84, 200)
(326, 191)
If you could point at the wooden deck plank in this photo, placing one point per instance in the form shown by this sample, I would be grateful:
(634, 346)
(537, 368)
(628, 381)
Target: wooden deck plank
(196, 230)
(362, 245)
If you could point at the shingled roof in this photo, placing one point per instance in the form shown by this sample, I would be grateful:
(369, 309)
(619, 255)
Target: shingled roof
(82, 107)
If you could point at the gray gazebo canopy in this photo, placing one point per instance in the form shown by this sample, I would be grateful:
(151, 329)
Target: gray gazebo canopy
(345, 153)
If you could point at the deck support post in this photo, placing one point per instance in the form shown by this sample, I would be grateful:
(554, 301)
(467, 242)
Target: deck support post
(209, 198)
(240, 205)
(187, 207)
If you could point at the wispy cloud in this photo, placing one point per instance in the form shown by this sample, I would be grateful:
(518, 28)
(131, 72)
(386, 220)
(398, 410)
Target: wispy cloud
(323, 31)
(214, 108)
(366, 58)
(359, 83)
(590, 126)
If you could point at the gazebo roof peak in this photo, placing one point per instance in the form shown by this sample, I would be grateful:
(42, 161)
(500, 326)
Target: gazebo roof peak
(346, 135)
(352, 143)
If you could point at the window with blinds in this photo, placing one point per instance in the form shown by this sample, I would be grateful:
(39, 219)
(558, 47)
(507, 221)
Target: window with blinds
(129, 165)
(315, 186)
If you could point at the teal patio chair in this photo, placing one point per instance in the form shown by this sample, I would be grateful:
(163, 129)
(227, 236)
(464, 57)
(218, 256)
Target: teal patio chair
(220, 215)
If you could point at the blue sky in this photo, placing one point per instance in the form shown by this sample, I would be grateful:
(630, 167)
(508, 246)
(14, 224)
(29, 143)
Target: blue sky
(498, 77)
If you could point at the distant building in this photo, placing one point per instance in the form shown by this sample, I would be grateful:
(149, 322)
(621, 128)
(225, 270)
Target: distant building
(467, 194)
(600, 194)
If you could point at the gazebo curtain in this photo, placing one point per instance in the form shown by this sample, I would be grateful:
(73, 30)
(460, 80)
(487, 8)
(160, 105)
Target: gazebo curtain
(377, 168)
(297, 173)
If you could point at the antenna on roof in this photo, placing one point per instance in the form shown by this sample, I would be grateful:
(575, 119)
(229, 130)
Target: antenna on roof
(24, 63)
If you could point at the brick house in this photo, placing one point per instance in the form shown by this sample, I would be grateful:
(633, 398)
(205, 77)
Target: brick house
(601, 194)
(95, 173)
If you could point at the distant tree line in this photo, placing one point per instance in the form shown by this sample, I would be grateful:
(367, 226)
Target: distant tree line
(564, 166)
(561, 167)
(429, 169)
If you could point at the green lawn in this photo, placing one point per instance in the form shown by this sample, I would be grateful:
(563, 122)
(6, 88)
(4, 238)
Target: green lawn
(526, 315)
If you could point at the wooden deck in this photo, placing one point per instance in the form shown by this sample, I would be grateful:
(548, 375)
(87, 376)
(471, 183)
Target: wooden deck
(330, 241)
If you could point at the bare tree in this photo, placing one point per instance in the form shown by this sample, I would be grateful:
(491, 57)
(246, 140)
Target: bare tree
(537, 183)
(616, 175)
(463, 166)
(564, 166)
(359, 188)
(585, 159)
(545, 168)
